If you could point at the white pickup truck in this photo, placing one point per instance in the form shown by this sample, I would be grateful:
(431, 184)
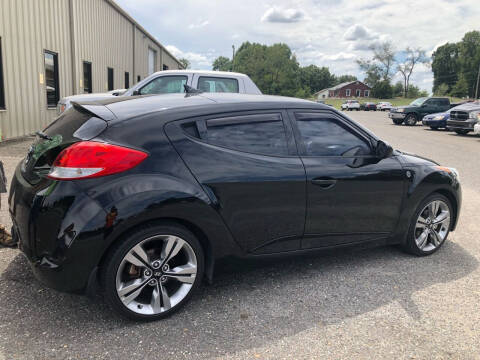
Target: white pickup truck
(173, 81)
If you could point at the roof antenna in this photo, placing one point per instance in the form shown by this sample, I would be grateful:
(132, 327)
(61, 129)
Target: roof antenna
(191, 90)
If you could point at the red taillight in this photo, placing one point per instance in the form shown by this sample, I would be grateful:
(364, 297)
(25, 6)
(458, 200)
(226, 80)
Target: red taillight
(90, 159)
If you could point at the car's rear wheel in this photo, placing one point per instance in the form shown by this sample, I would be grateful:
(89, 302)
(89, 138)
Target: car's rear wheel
(461, 131)
(410, 120)
(430, 225)
(434, 127)
(153, 272)
(397, 121)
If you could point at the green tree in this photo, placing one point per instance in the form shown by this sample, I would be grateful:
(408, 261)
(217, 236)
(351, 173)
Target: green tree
(470, 60)
(344, 78)
(222, 63)
(398, 89)
(382, 90)
(445, 66)
(315, 78)
(381, 66)
(460, 89)
(185, 63)
(441, 90)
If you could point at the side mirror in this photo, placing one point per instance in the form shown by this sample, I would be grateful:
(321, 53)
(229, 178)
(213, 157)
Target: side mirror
(383, 150)
(136, 92)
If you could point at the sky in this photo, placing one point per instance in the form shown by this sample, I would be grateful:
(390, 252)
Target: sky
(332, 33)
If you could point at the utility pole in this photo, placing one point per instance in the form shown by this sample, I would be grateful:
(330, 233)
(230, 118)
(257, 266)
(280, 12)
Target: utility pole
(233, 57)
(478, 80)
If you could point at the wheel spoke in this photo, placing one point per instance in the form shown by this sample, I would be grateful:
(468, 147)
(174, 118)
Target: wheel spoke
(421, 220)
(444, 215)
(422, 239)
(171, 248)
(436, 239)
(137, 256)
(156, 299)
(165, 297)
(433, 209)
(133, 289)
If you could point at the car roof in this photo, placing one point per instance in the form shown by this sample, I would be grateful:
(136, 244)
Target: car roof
(201, 72)
(184, 105)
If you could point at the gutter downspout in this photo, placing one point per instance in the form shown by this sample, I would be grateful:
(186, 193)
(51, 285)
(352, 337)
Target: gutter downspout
(72, 47)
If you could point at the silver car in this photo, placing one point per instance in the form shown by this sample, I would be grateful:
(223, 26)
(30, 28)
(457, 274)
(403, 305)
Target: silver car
(173, 81)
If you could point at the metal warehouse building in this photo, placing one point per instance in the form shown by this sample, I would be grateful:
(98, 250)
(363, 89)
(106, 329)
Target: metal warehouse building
(54, 48)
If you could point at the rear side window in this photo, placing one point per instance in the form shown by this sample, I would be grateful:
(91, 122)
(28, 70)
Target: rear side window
(165, 85)
(261, 134)
(216, 84)
(323, 135)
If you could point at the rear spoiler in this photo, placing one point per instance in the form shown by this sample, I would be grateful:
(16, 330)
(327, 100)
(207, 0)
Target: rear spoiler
(100, 111)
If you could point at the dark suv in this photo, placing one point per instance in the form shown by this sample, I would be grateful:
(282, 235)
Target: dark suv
(142, 195)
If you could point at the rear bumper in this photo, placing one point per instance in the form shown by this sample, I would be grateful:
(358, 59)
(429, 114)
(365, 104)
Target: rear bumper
(60, 230)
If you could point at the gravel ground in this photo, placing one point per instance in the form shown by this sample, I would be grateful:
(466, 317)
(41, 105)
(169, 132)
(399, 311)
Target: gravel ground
(351, 303)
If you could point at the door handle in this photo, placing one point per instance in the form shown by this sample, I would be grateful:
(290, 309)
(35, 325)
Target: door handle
(324, 184)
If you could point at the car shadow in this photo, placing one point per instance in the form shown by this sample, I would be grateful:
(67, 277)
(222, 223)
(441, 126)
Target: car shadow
(250, 304)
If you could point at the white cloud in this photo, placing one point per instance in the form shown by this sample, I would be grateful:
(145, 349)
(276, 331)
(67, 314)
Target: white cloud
(357, 31)
(281, 15)
(197, 60)
(199, 25)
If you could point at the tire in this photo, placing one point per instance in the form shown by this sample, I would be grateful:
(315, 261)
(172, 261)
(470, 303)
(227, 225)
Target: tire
(416, 232)
(461, 131)
(411, 120)
(434, 127)
(168, 293)
(397, 121)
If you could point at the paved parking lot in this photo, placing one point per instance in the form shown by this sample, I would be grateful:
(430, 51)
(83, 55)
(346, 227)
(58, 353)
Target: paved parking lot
(353, 303)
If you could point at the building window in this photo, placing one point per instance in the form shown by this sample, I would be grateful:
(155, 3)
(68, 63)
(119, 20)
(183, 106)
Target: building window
(51, 78)
(138, 78)
(110, 79)
(87, 77)
(347, 92)
(366, 93)
(2, 89)
(152, 56)
(127, 80)
(357, 92)
(165, 67)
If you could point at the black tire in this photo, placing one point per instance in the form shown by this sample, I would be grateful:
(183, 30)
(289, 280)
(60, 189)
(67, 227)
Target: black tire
(434, 127)
(397, 121)
(117, 253)
(461, 131)
(410, 243)
(410, 120)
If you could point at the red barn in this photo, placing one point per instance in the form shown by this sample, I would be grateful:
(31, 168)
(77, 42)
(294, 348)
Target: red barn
(350, 89)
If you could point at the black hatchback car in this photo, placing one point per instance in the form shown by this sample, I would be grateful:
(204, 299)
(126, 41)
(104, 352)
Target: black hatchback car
(143, 195)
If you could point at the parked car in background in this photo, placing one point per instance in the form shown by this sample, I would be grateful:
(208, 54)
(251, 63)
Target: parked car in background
(173, 81)
(419, 108)
(146, 193)
(384, 106)
(464, 118)
(436, 121)
(350, 105)
(369, 106)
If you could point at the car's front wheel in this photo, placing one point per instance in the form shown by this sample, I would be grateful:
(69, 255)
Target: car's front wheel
(153, 271)
(434, 127)
(397, 121)
(430, 225)
(410, 120)
(461, 132)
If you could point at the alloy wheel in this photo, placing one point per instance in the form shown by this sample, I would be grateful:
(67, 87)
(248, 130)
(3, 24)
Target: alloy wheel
(432, 225)
(156, 274)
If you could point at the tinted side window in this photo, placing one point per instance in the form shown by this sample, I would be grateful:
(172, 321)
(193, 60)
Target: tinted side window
(165, 85)
(323, 135)
(216, 84)
(261, 134)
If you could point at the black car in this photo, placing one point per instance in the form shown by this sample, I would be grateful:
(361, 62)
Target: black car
(142, 195)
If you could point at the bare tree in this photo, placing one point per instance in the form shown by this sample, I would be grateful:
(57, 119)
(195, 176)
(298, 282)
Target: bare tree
(413, 57)
(380, 66)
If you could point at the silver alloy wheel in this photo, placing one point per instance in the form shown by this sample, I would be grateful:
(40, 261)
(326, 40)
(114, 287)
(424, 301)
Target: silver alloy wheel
(156, 274)
(432, 225)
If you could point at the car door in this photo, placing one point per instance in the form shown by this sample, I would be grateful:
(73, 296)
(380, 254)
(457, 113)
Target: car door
(248, 165)
(430, 106)
(352, 195)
